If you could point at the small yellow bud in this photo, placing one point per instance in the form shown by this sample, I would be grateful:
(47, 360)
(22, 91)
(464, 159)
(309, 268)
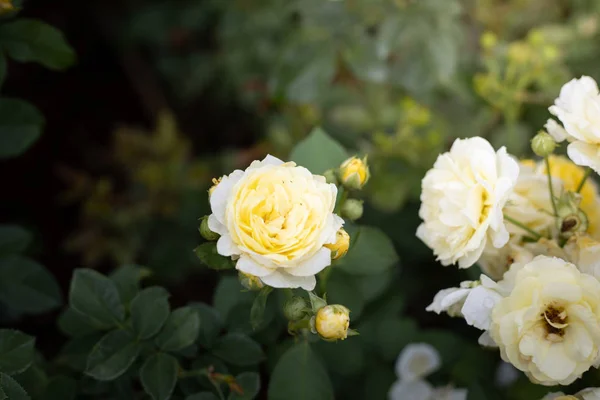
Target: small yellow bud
(488, 40)
(354, 173)
(215, 182)
(340, 247)
(206, 232)
(332, 322)
(249, 281)
(543, 144)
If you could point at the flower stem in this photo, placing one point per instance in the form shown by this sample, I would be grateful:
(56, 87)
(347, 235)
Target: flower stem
(536, 235)
(550, 188)
(582, 182)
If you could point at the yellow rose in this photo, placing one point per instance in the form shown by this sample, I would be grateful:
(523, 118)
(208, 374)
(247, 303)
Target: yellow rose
(275, 218)
(549, 325)
(332, 322)
(354, 173)
(341, 245)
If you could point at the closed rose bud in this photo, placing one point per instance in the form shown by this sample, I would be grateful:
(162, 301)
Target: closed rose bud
(215, 182)
(330, 176)
(295, 308)
(332, 322)
(340, 247)
(352, 209)
(543, 144)
(206, 232)
(249, 281)
(354, 173)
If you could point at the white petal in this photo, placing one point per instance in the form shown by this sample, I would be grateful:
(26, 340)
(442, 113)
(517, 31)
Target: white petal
(557, 132)
(215, 226)
(268, 160)
(486, 340)
(585, 155)
(226, 247)
(220, 196)
(436, 305)
(417, 390)
(454, 298)
(313, 265)
(249, 266)
(478, 307)
(589, 394)
(416, 361)
(281, 279)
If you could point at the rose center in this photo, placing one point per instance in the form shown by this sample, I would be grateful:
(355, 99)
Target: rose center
(555, 322)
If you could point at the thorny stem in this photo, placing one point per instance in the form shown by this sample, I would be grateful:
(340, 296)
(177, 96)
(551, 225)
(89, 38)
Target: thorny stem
(550, 188)
(536, 235)
(582, 182)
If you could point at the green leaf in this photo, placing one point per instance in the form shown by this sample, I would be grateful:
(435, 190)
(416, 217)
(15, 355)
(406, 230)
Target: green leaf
(75, 324)
(20, 126)
(112, 355)
(27, 286)
(149, 311)
(211, 324)
(75, 352)
(228, 294)
(344, 357)
(238, 349)
(16, 351)
(127, 278)
(318, 152)
(202, 396)
(342, 288)
(180, 330)
(159, 376)
(12, 389)
(29, 40)
(3, 68)
(371, 252)
(61, 388)
(257, 311)
(250, 385)
(393, 334)
(13, 239)
(299, 375)
(97, 297)
(207, 253)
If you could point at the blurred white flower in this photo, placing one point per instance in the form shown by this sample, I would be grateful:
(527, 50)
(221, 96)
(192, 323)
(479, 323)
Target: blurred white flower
(555, 130)
(462, 197)
(416, 361)
(549, 325)
(475, 300)
(585, 394)
(584, 252)
(578, 108)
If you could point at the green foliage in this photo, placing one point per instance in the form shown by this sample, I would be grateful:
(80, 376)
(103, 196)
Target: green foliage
(207, 253)
(159, 376)
(238, 349)
(318, 152)
(371, 252)
(20, 126)
(149, 311)
(112, 355)
(16, 351)
(180, 330)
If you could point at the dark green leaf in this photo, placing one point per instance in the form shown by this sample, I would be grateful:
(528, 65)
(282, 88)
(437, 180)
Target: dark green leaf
(393, 334)
(299, 375)
(3, 68)
(202, 396)
(211, 324)
(371, 252)
(342, 288)
(318, 152)
(27, 286)
(20, 126)
(112, 355)
(97, 297)
(149, 311)
(159, 376)
(75, 352)
(249, 382)
(29, 40)
(228, 294)
(13, 239)
(127, 278)
(61, 388)
(75, 324)
(207, 253)
(16, 351)
(12, 389)
(238, 349)
(180, 330)
(258, 307)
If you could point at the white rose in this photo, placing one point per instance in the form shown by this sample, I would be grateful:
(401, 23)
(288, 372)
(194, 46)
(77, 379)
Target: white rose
(275, 219)
(578, 108)
(584, 252)
(475, 300)
(495, 262)
(462, 200)
(585, 394)
(416, 361)
(549, 325)
(422, 390)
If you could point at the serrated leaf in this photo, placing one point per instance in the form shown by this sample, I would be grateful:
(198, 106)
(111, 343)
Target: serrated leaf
(159, 376)
(207, 253)
(180, 330)
(12, 389)
(211, 324)
(27, 286)
(30, 40)
(149, 311)
(249, 383)
(75, 324)
(112, 355)
(16, 351)
(318, 152)
(75, 352)
(97, 297)
(13, 239)
(238, 349)
(20, 126)
(371, 252)
(128, 278)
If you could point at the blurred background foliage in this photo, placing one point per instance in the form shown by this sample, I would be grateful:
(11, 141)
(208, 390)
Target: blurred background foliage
(169, 94)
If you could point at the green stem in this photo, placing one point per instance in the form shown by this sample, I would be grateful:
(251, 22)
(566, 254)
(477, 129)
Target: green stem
(582, 182)
(536, 235)
(550, 188)
(342, 196)
(218, 389)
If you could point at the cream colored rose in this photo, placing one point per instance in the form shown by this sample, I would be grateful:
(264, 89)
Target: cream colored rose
(584, 251)
(585, 394)
(332, 322)
(275, 218)
(549, 325)
(462, 200)
(578, 108)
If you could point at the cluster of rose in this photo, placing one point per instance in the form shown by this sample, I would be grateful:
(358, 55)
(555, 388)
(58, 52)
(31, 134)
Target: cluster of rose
(534, 229)
(279, 223)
